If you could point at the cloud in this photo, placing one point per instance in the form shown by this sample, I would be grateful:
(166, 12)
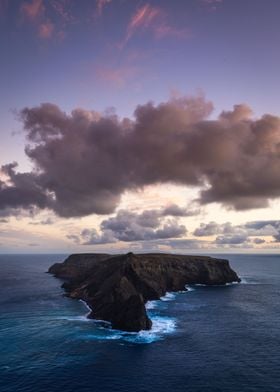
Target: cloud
(129, 226)
(207, 229)
(33, 10)
(235, 239)
(47, 221)
(258, 241)
(2, 220)
(84, 161)
(185, 243)
(22, 194)
(247, 233)
(153, 19)
(73, 237)
(143, 18)
(63, 10)
(49, 18)
(226, 233)
(119, 76)
(92, 237)
(164, 30)
(46, 30)
(265, 228)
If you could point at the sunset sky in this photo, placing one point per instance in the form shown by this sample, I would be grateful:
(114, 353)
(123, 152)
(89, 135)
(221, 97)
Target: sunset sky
(139, 125)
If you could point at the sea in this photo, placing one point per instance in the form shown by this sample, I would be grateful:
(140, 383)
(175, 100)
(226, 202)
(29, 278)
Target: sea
(214, 339)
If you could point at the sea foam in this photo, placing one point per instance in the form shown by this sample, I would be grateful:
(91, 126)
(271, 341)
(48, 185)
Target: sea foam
(161, 326)
(168, 297)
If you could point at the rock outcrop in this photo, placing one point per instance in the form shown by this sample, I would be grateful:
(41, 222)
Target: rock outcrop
(116, 287)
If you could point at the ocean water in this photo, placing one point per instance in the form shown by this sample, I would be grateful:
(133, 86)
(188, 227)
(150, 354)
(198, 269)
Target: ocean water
(210, 339)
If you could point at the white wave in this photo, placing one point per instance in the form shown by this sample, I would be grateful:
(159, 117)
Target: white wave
(168, 297)
(247, 280)
(161, 327)
(74, 318)
(215, 285)
(86, 305)
(151, 304)
(189, 288)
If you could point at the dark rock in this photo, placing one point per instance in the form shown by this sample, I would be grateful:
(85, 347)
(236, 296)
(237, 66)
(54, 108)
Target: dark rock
(117, 287)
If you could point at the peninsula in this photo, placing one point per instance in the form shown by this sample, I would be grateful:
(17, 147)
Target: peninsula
(116, 287)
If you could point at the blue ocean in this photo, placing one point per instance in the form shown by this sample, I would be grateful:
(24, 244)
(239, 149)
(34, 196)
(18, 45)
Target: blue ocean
(214, 339)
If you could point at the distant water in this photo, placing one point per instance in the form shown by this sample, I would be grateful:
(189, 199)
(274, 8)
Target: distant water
(218, 339)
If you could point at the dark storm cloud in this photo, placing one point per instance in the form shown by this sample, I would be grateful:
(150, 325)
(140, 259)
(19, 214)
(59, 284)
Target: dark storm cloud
(84, 162)
(24, 191)
(128, 227)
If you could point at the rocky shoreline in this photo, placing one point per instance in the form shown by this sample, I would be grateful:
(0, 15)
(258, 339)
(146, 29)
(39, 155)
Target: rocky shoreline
(116, 287)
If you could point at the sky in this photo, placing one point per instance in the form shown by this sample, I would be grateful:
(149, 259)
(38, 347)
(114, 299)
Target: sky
(130, 125)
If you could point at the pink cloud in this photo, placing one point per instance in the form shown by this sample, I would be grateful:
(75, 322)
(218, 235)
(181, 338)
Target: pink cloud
(40, 14)
(143, 18)
(33, 10)
(62, 8)
(117, 77)
(46, 30)
(154, 19)
(164, 30)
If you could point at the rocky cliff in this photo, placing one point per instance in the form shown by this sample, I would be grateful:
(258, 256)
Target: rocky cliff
(117, 287)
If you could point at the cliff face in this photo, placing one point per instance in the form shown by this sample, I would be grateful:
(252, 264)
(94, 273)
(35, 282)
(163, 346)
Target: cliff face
(116, 288)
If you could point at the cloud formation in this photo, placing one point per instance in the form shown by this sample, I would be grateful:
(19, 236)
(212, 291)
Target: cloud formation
(269, 227)
(129, 226)
(155, 229)
(119, 76)
(84, 161)
(23, 193)
(49, 18)
(153, 19)
(32, 10)
(248, 233)
(46, 30)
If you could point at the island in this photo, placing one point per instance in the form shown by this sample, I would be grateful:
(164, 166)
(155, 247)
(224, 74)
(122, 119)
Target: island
(117, 287)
